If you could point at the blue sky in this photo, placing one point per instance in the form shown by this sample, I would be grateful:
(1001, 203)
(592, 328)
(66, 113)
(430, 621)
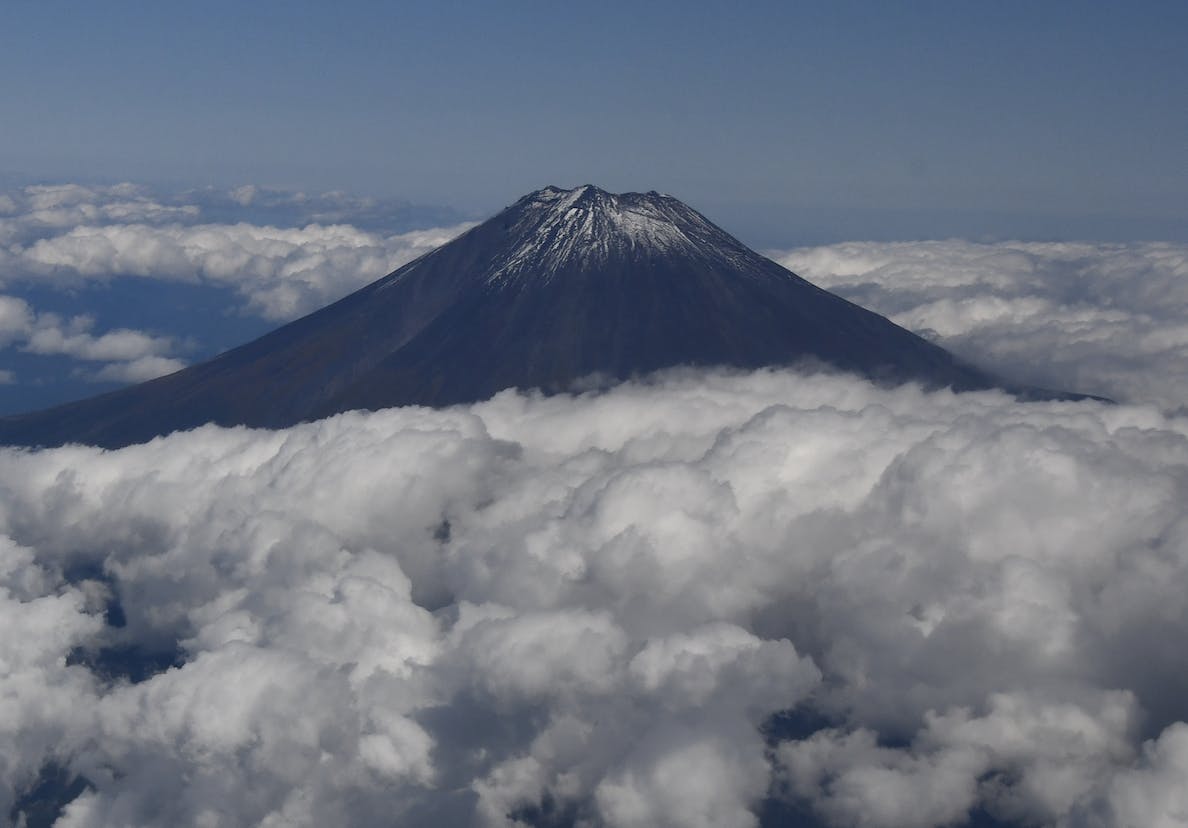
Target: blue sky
(787, 121)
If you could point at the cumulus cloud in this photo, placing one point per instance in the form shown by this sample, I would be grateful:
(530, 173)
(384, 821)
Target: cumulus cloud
(35, 211)
(1026, 760)
(1109, 319)
(281, 272)
(16, 319)
(130, 355)
(41, 693)
(683, 602)
(138, 369)
(273, 254)
(52, 335)
(62, 234)
(1153, 793)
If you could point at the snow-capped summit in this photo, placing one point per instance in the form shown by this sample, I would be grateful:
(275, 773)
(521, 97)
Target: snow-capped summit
(554, 229)
(560, 286)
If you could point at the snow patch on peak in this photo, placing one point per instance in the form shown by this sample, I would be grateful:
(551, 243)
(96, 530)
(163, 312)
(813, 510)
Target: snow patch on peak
(586, 227)
(548, 193)
(551, 195)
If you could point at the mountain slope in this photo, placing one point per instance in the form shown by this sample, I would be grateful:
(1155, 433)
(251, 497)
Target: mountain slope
(562, 285)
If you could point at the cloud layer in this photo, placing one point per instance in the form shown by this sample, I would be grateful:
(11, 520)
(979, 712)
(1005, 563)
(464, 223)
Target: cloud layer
(1109, 319)
(592, 610)
(64, 235)
(1106, 319)
(128, 355)
(281, 273)
(68, 233)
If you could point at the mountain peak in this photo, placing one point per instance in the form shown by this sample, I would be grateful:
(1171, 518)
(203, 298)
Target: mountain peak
(551, 195)
(554, 230)
(562, 286)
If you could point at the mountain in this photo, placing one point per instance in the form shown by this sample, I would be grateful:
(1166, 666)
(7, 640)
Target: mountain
(560, 286)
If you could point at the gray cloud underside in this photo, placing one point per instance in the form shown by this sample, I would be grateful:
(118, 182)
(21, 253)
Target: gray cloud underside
(591, 606)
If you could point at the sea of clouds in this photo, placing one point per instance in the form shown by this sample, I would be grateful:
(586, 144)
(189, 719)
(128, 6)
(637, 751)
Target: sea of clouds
(675, 603)
(703, 599)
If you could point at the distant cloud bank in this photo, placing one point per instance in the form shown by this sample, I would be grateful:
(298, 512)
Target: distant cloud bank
(1108, 319)
(61, 236)
(70, 233)
(281, 273)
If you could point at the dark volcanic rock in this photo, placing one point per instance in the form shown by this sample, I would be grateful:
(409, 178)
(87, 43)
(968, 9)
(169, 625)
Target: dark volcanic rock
(562, 285)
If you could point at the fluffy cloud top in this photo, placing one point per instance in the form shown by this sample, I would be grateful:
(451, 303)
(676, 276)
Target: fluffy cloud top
(130, 356)
(61, 235)
(65, 233)
(282, 273)
(39, 210)
(591, 610)
(1109, 319)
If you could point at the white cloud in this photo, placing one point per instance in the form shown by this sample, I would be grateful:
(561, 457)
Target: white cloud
(1108, 319)
(16, 319)
(44, 703)
(35, 211)
(59, 235)
(245, 195)
(282, 273)
(1027, 760)
(131, 356)
(589, 607)
(138, 369)
(681, 778)
(1154, 793)
(66, 233)
(50, 334)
